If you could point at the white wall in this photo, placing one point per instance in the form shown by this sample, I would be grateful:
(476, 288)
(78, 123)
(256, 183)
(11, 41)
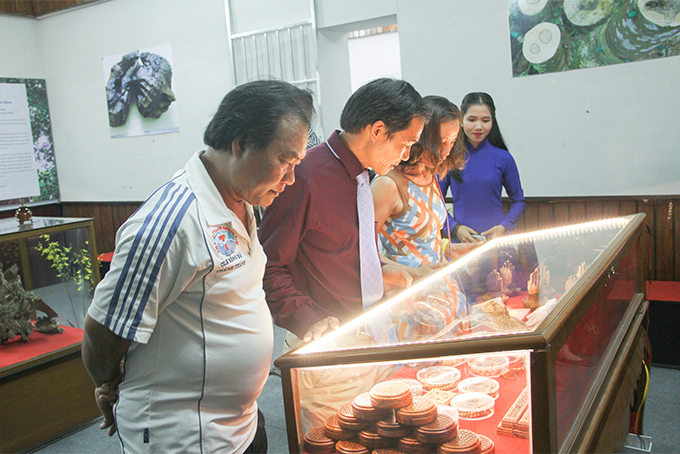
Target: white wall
(255, 15)
(604, 131)
(91, 166)
(335, 76)
(374, 56)
(339, 13)
(20, 54)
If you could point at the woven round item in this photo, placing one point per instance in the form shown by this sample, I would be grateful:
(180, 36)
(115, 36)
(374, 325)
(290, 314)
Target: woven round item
(473, 405)
(333, 430)
(488, 446)
(420, 412)
(350, 447)
(488, 366)
(371, 439)
(443, 429)
(411, 445)
(391, 394)
(467, 442)
(347, 420)
(438, 377)
(415, 385)
(387, 451)
(480, 385)
(447, 410)
(316, 441)
(363, 409)
(390, 428)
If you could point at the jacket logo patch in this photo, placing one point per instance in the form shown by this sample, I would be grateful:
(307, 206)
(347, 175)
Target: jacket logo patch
(224, 241)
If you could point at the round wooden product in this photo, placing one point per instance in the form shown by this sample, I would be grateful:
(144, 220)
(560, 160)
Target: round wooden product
(411, 445)
(391, 394)
(316, 441)
(387, 451)
(350, 447)
(443, 429)
(415, 385)
(488, 366)
(473, 405)
(488, 446)
(480, 385)
(347, 420)
(363, 409)
(448, 410)
(454, 361)
(466, 442)
(420, 412)
(372, 439)
(389, 427)
(438, 377)
(333, 430)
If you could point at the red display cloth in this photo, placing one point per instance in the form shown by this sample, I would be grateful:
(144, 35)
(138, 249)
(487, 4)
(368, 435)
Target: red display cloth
(663, 291)
(17, 351)
(510, 389)
(105, 257)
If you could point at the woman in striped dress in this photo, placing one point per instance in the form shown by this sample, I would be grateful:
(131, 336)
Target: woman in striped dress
(409, 207)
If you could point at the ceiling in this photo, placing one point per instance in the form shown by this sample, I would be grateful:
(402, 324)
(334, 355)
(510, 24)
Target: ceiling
(36, 8)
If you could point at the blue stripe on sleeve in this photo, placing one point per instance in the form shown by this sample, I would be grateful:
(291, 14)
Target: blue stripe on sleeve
(138, 277)
(113, 306)
(139, 274)
(150, 283)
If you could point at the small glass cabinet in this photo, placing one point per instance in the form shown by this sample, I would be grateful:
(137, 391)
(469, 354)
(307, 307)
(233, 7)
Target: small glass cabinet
(521, 342)
(57, 259)
(43, 383)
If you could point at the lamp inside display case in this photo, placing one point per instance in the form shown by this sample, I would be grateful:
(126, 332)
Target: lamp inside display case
(448, 362)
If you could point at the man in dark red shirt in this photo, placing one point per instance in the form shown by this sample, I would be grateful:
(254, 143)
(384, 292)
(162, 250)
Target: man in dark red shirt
(311, 232)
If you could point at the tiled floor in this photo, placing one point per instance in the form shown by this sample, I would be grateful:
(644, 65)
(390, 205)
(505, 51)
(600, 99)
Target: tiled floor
(661, 418)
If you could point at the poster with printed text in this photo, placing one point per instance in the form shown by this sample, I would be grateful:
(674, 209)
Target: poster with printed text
(558, 35)
(28, 171)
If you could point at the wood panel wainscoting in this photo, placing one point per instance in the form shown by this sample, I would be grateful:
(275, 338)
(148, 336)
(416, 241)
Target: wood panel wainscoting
(108, 217)
(662, 218)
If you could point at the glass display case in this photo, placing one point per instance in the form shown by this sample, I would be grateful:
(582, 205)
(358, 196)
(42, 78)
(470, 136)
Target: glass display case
(516, 346)
(55, 258)
(43, 383)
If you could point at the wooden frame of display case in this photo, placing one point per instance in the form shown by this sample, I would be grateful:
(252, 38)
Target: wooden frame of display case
(11, 231)
(52, 393)
(543, 343)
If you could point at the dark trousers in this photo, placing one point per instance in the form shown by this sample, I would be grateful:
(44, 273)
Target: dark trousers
(259, 444)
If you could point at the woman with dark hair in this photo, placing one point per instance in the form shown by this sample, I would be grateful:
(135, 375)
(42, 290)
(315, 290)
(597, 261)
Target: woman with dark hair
(409, 208)
(477, 189)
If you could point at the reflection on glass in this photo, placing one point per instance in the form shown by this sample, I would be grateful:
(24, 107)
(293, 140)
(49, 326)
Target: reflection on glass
(55, 264)
(581, 358)
(484, 394)
(507, 285)
(10, 225)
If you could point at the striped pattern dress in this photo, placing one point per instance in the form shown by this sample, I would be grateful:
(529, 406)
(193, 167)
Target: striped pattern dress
(411, 237)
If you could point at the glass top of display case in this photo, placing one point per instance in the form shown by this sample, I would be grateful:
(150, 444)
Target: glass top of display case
(10, 225)
(506, 286)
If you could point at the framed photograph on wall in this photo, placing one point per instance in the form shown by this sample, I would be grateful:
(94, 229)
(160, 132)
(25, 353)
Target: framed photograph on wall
(549, 36)
(139, 94)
